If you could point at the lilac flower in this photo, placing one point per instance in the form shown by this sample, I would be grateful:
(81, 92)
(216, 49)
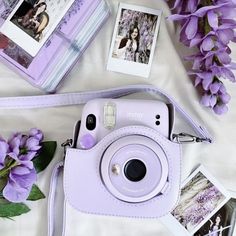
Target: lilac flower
(191, 21)
(20, 145)
(209, 26)
(16, 164)
(220, 109)
(3, 152)
(188, 6)
(36, 133)
(20, 182)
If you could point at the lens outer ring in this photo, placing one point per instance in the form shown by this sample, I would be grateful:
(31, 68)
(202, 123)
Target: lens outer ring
(133, 140)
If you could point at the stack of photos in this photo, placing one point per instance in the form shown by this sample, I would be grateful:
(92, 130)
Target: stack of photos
(204, 208)
(134, 40)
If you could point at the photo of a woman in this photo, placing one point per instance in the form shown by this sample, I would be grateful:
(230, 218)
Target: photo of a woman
(221, 223)
(134, 37)
(216, 227)
(129, 47)
(34, 20)
(33, 15)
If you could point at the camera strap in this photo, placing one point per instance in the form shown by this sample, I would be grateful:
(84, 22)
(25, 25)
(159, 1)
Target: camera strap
(55, 100)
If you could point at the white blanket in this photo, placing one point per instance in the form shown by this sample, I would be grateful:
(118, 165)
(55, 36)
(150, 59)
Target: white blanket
(168, 73)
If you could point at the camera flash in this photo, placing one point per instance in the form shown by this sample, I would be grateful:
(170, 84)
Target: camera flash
(109, 115)
(115, 169)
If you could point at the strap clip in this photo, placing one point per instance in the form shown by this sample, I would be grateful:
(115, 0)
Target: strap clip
(189, 138)
(67, 143)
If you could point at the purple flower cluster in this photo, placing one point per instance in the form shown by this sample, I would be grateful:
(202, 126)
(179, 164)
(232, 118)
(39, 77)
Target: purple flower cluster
(211, 194)
(209, 25)
(16, 164)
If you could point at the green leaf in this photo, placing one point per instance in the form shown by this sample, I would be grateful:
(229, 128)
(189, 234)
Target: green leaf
(3, 200)
(35, 194)
(45, 156)
(13, 209)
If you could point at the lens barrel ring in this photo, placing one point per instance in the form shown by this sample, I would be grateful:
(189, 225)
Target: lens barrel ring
(129, 148)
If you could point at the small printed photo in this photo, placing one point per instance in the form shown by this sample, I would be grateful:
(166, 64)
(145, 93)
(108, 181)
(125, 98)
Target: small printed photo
(135, 36)
(32, 17)
(200, 198)
(134, 40)
(222, 223)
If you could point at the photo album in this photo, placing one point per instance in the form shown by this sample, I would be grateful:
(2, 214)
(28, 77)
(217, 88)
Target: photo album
(134, 40)
(205, 208)
(43, 39)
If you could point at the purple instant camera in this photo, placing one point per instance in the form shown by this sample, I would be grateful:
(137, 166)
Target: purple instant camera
(123, 162)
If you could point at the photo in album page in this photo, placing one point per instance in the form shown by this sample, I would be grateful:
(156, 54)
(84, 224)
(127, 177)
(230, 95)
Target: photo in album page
(32, 22)
(134, 40)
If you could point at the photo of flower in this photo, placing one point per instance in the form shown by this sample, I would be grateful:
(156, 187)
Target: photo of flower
(199, 198)
(135, 35)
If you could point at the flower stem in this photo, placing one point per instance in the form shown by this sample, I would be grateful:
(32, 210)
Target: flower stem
(206, 2)
(5, 171)
(207, 27)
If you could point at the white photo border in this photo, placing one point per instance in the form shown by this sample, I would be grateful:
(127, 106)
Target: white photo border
(129, 67)
(176, 226)
(21, 38)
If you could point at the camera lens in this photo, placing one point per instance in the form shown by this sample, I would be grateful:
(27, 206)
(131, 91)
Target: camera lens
(135, 170)
(91, 122)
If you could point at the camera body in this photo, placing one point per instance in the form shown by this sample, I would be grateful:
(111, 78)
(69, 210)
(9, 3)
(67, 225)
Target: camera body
(128, 166)
(102, 116)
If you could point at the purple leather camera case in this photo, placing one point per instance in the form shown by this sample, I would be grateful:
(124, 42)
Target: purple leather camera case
(86, 190)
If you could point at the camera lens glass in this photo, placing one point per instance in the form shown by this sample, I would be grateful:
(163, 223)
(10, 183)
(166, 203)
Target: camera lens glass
(91, 122)
(135, 170)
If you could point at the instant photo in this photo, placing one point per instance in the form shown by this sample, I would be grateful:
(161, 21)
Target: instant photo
(134, 40)
(202, 196)
(222, 223)
(32, 21)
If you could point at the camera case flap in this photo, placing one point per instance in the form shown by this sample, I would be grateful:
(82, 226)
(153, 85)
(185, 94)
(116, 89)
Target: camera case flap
(133, 171)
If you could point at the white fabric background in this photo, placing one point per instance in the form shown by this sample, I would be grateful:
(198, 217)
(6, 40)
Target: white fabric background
(90, 73)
